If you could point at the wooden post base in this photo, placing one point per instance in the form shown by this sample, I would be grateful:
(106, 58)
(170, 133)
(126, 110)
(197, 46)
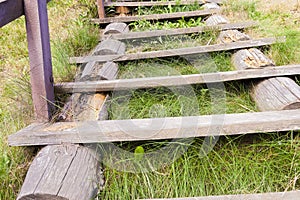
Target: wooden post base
(280, 93)
(62, 172)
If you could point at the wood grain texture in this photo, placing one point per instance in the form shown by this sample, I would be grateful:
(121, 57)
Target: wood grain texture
(116, 28)
(199, 13)
(229, 36)
(156, 128)
(250, 59)
(39, 58)
(179, 52)
(279, 93)
(211, 5)
(10, 10)
(156, 3)
(291, 195)
(62, 172)
(110, 47)
(216, 20)
(94, 71)
(125, 84)
(179, 31)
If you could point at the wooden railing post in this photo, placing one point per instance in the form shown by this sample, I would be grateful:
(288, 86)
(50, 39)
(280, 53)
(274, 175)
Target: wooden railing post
(101, 10)
(40, 57)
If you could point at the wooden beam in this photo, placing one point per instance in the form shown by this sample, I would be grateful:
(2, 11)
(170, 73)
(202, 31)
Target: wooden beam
(10, 10)
(179, 52)
(157, 3)
(156, 128)
(40, 57)
(151, 82)
(178, 31)
(101, 11)
(291, 195)
(177, 15)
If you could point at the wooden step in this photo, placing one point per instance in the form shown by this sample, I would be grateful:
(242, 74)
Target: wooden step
(156, 128)
(176, 15)
(151, 82)
(180, 51)
(291, 195)
(179, 31)
(157, 3)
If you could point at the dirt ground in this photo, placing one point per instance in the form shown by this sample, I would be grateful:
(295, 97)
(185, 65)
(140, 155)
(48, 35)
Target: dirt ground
(287, 5)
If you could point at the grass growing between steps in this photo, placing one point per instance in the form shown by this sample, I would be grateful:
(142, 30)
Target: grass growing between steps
(70, 35)
(236, 165)
(275, 19)
(239, 164)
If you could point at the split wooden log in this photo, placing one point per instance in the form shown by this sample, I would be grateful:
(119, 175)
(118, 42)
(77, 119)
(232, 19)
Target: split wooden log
(211, 5)
(115, 28)
(71, 172)
(216, 20)
(110, 47)
(280, 93)
(98, 71)
(250, 59)
(63, 172)
(232, 36)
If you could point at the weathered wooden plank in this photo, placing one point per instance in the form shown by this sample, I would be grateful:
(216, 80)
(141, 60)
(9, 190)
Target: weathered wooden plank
(177, 15)
(156, 128)
(40, 58)
(157, 3)
(279, 93)
(10, 10)
(291, 195)
(179, 52)
(179, 31)
(125, 84)
(58, 170)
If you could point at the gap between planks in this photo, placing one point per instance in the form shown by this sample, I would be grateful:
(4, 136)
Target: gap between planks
(179, 52)
(166, 81)
(156, 128)
(198, 13)
(178, 31)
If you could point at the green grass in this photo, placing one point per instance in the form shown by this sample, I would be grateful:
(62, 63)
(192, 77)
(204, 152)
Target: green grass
(238, 164)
